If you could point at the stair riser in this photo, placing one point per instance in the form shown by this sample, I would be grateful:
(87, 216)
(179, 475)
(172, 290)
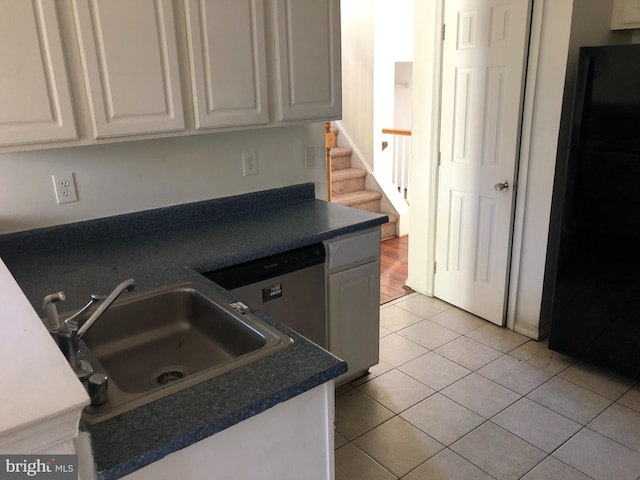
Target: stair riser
(388, 230)
(347, 186)
(341, 160)
(370, 206)
(340, 163)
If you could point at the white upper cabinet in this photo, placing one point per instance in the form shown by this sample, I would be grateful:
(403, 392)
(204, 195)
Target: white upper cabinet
(35, 104)
(228, 62)
(308, 59)
(81, 72)
(625, 14)
(131, 68)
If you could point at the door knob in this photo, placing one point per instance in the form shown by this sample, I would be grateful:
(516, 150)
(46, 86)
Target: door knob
(501, 187)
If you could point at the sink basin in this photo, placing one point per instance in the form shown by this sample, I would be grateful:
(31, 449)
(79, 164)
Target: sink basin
(153, 344)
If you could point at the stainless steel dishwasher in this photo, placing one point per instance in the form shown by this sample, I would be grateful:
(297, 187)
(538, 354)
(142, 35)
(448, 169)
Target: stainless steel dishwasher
(289, 287)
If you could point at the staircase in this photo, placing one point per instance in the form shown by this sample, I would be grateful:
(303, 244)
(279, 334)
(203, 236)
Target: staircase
(348, 188)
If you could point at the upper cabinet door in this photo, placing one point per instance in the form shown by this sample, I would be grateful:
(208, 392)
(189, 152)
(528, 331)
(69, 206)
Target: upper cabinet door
(130, 61)
(35, 104)
(308, 59)
(228, 62)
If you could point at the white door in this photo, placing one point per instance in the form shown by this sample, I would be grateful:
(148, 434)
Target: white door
(484, 57)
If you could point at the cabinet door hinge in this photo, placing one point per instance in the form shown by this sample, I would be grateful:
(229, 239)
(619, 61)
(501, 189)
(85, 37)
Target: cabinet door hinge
(439, 158)
(442, 32)
(435, 267)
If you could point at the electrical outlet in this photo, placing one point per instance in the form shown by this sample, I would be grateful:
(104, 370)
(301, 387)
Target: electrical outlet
(249, 163)
(65, 187)
(310, 155)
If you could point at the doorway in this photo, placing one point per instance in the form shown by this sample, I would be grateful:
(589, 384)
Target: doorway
(394, 262)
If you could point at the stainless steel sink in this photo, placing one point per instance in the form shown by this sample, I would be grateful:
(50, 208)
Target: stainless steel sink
(153, 344)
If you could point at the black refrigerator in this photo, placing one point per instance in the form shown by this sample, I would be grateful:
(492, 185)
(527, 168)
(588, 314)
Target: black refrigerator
(596, 295)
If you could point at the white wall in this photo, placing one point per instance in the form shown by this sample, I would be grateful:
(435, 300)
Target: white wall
(393, 42)
(374, 38)
(138, 175)
(357, 73)
(403, 95)
(424, 145)
(543, 105)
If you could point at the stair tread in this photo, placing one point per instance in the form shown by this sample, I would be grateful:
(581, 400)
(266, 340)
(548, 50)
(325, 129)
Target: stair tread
(341, 152)
(347, 174)
(356, 197)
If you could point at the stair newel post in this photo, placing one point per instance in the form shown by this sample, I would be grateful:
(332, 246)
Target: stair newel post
(330, 142)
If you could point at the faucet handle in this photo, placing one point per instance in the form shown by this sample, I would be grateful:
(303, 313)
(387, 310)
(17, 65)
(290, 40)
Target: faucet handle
(73, 319)
(68, 343)
(98, 388)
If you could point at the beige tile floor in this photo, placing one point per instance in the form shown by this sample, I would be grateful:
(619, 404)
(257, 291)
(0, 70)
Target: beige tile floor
(455, 397)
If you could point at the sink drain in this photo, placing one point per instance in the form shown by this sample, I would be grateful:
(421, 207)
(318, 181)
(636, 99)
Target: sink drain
(169, 374)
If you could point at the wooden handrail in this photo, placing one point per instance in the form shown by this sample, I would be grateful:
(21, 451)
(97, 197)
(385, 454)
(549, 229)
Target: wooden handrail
(396, 131)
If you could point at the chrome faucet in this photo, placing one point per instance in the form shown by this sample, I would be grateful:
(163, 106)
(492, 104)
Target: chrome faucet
(70, 331)
(127, 285)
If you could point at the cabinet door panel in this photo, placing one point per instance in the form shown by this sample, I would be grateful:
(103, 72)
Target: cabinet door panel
(308, 57)
(35, 103)
(354, 315)
(130, 61)
(228, 62)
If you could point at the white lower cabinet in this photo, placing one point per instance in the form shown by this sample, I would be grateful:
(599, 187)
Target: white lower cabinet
(353, 300)
(290, 441)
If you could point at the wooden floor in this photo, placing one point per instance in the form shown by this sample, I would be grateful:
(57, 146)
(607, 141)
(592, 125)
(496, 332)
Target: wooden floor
(393, 269)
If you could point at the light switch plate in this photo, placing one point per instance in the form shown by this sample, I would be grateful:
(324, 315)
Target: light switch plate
(310, 155)
(249, 163)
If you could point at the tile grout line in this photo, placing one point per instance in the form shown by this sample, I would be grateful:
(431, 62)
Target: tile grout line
(370, 457)
(485, 420)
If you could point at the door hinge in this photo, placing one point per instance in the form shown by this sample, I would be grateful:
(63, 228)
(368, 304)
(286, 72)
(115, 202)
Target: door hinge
(442, 32)
(439, 158)
(435, 267)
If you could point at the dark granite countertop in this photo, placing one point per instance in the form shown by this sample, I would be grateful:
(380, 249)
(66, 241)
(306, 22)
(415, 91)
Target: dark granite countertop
(172, 245)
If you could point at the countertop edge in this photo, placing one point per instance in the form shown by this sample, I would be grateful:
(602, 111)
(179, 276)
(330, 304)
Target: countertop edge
(140, 461)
